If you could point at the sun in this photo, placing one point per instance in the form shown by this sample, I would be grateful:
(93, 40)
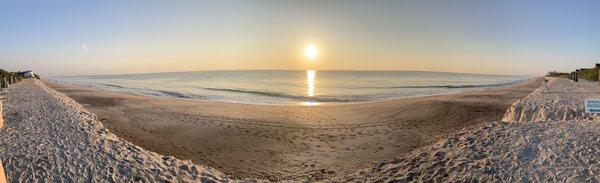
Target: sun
(311, 51)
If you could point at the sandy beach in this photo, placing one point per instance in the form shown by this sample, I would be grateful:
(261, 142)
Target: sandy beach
(51, 137)
(48, 137)
(548, 138)
(292, 142)
(557, 100)
(293, 91)
(564, 151)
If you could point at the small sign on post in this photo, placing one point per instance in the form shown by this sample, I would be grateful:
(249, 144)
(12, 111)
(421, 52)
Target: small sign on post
(592, 106)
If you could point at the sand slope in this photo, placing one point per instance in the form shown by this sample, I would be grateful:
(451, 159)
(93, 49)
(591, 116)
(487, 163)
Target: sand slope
(549, 138)
(556, 100)
(500, 152)
(48, 137)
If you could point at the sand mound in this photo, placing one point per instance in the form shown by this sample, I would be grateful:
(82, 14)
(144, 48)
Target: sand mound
(565, 150)
(50, 138)
(500, 152)
(556, 100)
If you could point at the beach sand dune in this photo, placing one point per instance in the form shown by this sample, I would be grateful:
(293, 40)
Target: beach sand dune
(556, 100)
(48, 137)
(291, 142)
(565, 151)
(531, 147)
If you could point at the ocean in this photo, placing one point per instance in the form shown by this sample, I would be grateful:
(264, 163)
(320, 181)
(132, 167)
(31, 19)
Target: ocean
(308, 87)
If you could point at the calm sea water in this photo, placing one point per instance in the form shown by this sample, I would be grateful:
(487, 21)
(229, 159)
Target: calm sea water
(293, 87)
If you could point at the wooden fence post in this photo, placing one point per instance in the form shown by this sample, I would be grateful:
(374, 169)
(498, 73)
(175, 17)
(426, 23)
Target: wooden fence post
(4, 83)
(572, 76)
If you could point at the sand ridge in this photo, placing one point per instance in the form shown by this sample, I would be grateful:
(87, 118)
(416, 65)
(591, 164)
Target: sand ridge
(556, 100)
(565, 151)
(48, 137)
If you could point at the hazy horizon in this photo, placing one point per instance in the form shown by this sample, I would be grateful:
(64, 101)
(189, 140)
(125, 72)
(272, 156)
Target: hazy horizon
(234, 70)
(131, 37)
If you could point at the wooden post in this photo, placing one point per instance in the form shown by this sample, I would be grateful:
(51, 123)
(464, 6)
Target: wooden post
(4, 83)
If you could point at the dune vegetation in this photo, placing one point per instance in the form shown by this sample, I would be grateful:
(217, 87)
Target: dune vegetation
(590, 74)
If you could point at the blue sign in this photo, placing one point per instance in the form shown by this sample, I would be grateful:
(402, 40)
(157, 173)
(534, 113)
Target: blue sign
(592, 105)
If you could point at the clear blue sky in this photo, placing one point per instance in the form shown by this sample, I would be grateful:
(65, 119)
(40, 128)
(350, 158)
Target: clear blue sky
(494, 37)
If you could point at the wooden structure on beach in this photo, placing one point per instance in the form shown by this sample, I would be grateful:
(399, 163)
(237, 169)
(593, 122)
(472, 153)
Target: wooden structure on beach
(586, 73)
(5, 81)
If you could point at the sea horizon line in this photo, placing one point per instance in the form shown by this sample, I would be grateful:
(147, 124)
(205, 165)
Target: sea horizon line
(234, 70)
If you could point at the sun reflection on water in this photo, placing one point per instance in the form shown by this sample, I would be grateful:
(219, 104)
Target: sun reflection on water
(310, 87)
(310, 103)
(310, 82)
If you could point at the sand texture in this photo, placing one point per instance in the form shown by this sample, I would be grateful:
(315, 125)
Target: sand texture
(566, 151)
(48, 137)
(556, 100)
(528, 148)
(295, 143)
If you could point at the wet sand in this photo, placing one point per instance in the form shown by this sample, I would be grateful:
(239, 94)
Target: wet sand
(292, 142)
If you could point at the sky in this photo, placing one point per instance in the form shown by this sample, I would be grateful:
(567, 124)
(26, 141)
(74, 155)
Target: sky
(65, 37)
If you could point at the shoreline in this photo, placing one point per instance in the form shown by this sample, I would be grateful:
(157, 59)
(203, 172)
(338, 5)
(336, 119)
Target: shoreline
(291, 142)
(297, 103)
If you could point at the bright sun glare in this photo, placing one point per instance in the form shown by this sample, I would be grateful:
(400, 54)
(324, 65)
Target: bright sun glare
(311, 51)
